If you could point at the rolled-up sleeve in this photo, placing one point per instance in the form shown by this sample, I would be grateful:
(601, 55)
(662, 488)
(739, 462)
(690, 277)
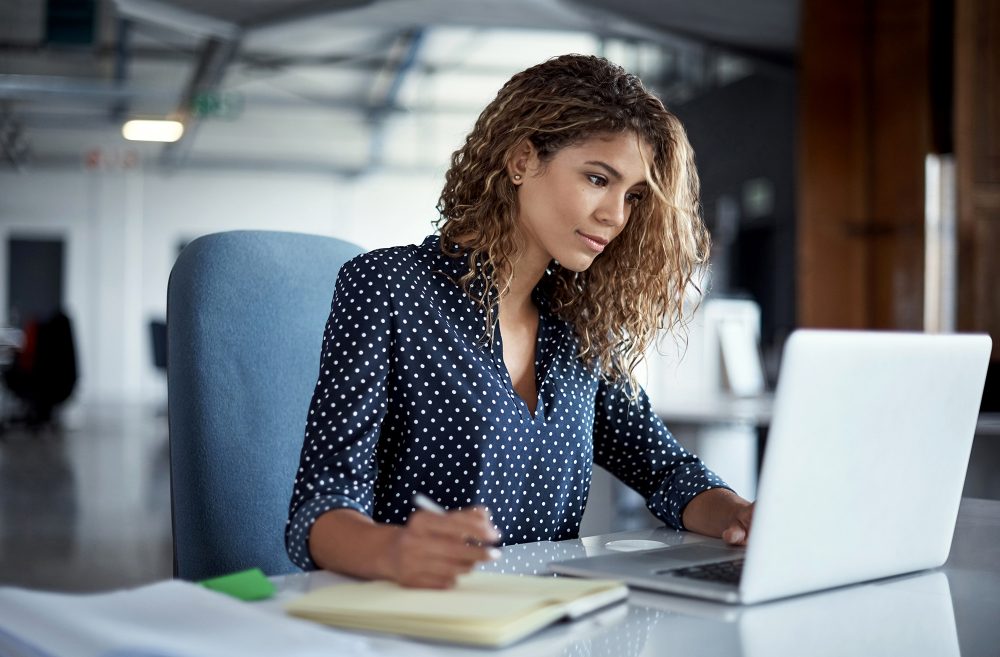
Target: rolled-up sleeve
(632, 443)
(338, 466)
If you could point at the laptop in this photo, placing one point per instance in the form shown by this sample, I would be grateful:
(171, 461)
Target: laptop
(862, 477)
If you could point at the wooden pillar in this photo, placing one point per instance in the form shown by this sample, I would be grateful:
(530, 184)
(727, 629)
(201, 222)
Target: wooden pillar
(864, 121)
(977, 165)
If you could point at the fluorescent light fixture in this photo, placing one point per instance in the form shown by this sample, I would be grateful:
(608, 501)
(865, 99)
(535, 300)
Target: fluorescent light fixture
(147, 130)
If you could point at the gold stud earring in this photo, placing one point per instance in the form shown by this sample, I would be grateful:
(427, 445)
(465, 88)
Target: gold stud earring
(517, 177)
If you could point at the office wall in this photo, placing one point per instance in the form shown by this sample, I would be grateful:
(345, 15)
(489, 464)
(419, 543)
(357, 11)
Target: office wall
(123, 227)
(865, 129)
(743, 135)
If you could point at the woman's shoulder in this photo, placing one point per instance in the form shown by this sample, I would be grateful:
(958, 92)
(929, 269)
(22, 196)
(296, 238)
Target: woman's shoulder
(392, 262)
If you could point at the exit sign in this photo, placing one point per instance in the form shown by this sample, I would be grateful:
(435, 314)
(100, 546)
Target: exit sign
(218, 105)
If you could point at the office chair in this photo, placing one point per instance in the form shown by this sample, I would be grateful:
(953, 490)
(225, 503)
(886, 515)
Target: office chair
(245, 318)
(44, 374)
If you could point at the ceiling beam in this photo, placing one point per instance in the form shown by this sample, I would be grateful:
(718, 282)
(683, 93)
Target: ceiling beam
(372, 62)
(216, 56)
(384, 95)
(121, 107)
(288, 12)
(180, 20)
(28, 90)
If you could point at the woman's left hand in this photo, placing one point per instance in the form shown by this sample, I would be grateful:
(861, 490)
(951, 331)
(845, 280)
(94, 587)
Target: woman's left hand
(721, 513)
(738, 530)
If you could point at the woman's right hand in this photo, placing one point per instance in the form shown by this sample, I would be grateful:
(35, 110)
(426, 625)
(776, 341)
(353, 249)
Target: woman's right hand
(433, 549)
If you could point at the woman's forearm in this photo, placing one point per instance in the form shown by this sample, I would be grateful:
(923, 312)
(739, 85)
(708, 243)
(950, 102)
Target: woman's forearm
(348, 542)
(431, 550)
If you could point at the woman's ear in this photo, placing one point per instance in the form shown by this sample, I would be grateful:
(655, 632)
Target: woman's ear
(521, 161)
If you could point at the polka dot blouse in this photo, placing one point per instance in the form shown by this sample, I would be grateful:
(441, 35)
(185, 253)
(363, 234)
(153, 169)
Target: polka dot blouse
(412, 398)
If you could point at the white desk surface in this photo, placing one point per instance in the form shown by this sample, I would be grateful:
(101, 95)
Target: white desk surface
(716, 409)
(954, 610)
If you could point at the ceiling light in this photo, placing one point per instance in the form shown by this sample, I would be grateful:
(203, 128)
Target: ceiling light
(146, 130)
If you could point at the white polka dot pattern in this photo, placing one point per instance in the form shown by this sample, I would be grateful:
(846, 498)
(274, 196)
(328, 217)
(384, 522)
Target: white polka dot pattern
(411, 398)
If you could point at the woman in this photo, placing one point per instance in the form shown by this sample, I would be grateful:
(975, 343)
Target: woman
(490, 366)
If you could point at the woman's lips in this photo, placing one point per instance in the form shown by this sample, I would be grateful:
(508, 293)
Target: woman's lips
(593, 242)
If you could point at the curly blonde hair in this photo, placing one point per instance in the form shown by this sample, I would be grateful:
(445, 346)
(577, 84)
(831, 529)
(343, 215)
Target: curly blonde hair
(638, 284)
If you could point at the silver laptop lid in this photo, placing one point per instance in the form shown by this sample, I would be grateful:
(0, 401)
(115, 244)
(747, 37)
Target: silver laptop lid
(866, 458)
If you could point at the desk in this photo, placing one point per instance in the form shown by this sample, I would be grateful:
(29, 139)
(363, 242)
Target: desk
(954, 610)
(988, 424)
(729, 433)
(755, 411)
(717, 409)
(726, 431)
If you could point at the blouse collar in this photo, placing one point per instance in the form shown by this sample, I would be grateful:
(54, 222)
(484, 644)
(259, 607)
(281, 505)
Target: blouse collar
(457, 265)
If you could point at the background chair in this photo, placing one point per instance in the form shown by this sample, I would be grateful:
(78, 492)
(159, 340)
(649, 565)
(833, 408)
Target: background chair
(245, 318)
(158, 343)
(43, 373)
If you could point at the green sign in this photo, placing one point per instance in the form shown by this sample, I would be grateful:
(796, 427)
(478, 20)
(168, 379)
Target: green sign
(217, 105)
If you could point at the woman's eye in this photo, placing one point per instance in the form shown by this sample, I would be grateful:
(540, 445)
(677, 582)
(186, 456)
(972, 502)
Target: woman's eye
(633, 197)
(600, 181)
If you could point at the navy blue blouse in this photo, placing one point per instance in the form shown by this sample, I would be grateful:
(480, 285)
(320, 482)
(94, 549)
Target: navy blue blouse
(412, 398)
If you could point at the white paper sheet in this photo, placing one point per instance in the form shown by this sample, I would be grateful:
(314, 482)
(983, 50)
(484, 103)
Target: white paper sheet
(166, 619)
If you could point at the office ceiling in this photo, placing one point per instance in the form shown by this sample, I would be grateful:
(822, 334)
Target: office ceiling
(339, 86)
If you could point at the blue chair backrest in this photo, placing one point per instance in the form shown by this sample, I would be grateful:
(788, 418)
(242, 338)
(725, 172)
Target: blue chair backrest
(245, 318)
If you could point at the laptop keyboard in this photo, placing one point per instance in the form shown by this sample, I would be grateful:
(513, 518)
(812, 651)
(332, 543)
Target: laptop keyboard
(727, 572)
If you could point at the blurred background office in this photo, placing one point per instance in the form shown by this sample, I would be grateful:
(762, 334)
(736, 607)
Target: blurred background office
(849, 155)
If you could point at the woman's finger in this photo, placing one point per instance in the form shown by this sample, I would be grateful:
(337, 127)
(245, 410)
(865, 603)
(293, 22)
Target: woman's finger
(446, 548)
(735, 535)
(465, 525)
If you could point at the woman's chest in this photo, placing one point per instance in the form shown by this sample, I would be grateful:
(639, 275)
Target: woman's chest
(445, 369)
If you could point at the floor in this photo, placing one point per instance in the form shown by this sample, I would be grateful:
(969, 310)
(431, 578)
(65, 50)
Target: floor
(86, 506)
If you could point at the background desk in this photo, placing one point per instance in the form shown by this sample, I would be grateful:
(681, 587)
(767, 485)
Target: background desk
(726, 431)
(730, 433)
(954, 610)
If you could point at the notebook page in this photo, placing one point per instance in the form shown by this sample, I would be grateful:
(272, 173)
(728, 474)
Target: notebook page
(167, 619)
(478, 596)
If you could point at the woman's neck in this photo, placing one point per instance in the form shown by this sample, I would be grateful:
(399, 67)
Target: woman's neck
(527, 270)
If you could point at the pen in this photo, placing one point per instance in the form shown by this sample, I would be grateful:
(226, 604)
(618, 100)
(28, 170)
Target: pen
(421, 501)
(425, 503)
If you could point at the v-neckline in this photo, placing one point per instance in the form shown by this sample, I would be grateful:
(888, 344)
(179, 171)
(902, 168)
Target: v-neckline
(509, 381)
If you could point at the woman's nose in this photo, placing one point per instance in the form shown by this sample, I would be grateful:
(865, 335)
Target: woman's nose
(613, 211)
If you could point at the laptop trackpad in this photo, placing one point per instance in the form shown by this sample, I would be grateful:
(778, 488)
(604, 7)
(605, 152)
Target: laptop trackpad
(679, 557)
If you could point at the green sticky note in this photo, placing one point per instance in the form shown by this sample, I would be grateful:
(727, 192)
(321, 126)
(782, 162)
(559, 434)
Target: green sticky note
(250, 584)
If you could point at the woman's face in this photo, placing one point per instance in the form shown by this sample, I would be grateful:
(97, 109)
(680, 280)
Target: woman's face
(571, 207)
